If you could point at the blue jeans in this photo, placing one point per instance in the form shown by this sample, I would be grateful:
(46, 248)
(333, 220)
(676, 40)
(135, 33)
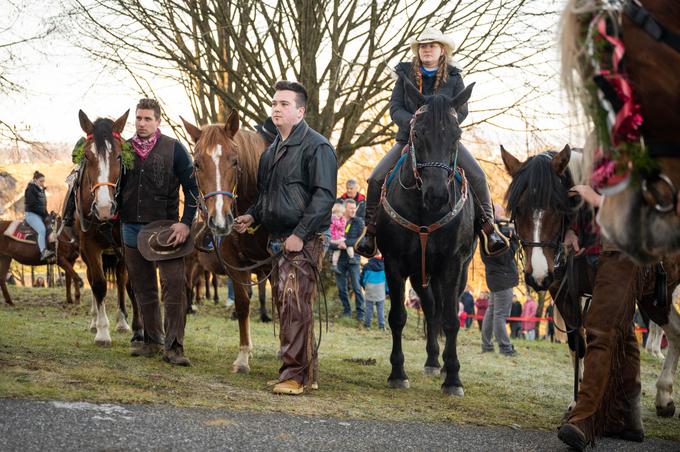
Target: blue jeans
(351, 272)
(37, 223)
(368, 317)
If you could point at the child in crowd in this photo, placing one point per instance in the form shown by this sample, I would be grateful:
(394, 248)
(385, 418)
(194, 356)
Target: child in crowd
(338, 224)
(373, 282)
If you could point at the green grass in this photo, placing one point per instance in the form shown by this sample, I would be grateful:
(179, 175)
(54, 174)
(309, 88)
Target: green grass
(47, 352)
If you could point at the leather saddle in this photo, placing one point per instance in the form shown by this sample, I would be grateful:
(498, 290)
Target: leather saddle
(20, 231)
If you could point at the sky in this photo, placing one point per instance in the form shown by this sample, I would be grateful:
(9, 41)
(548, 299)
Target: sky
(59, 79)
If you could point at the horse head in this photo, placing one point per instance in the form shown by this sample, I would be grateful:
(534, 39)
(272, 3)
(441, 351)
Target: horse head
(433, 142)
(101, 165)
(539, 205)
(217, 171)
(640, 214)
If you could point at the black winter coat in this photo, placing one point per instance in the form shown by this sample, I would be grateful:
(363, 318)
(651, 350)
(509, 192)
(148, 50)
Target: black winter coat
(501, 270)
(296, 185)
(35, 200)
(403, 107)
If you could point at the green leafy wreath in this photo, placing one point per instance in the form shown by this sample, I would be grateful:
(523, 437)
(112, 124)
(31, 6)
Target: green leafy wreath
(127, 154)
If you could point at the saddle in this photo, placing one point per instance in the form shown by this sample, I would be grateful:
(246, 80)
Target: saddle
(20, 231)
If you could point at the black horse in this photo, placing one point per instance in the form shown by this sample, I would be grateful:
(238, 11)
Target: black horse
(425, 231)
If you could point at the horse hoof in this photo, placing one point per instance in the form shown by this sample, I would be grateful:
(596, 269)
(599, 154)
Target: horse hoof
(123, 329)
(398, 384)
(432, 371)
(265, 318)
(93, 329)
(453, 391)
(104, 343)
(666, 411)
(240, 369)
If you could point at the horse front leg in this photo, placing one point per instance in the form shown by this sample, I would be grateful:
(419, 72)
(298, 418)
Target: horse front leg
(665, 407)
(576, 339)
(216, 297)
(121, 283)
(397, 319)
(4, 268)
(446, 296)
(242, 311)
(432, 324)
(97, 279)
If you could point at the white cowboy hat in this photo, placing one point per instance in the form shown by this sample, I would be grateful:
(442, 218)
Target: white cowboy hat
(433, 35)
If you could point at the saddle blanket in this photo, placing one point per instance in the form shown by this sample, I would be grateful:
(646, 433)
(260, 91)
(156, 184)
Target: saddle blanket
(20, 231)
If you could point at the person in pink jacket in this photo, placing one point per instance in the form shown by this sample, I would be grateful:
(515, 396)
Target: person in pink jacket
(529, 327)
(482, 304)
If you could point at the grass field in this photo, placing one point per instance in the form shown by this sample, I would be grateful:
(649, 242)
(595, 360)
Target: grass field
(47, 352)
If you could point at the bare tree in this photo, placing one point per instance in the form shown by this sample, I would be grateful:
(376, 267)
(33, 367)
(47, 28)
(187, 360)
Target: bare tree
(229, 53)
(14, 40)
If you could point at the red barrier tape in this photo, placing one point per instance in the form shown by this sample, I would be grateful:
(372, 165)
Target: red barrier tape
(537, 319)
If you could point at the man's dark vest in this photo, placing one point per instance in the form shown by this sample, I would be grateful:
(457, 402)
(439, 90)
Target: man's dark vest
(151, 189)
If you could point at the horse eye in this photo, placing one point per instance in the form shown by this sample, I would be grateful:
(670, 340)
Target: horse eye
(198, 168)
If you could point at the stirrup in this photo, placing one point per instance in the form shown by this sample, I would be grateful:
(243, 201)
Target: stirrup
(484, 237)
(367, 246)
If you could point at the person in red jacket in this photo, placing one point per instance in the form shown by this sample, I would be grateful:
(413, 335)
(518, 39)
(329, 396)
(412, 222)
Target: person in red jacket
(482, 304)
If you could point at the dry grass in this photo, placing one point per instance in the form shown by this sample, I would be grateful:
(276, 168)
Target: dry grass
(46, 352)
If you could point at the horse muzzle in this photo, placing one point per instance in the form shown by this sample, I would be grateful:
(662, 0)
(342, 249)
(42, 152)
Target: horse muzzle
(221, 228)
(541, 285)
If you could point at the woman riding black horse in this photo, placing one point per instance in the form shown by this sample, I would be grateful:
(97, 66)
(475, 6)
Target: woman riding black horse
(432, 73)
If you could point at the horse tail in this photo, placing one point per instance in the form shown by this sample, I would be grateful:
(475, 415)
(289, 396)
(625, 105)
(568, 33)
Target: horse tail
(109, 264)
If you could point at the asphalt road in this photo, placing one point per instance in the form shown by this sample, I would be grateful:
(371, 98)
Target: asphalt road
(65, 426)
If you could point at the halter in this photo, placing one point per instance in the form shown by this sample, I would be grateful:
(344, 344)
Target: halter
(201, 199)
(424, 231)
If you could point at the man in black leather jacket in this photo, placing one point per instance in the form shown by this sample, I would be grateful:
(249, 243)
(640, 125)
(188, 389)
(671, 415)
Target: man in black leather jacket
(296, 191)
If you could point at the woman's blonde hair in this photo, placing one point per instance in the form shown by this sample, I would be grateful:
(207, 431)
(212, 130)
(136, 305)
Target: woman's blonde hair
(442, 69)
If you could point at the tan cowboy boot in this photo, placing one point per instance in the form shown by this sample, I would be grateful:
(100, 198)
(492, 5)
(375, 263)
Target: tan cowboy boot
(290, 387)
(148, 350)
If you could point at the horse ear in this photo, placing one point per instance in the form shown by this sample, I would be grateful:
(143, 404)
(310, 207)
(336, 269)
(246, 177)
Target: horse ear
(510, 162)
(412, 91)
(193, 131)
(232, 124)
(119, 124)
(560, 162)
(85, 123)
(462, 98)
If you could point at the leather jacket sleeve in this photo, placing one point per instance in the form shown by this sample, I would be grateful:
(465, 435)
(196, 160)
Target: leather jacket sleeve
(323, 171)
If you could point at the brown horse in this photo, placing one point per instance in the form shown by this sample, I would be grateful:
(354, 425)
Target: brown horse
(95, 210)
(538, 201)
(22, 252)
(642, 216)
(226, 161)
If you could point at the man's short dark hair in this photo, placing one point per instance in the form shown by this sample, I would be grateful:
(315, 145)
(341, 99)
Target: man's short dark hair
(150, 104)
(350, 201)
(297, 88)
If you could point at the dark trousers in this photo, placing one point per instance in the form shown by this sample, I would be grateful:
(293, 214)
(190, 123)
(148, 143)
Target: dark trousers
(294, 292)
(473, 172)
(142, 274)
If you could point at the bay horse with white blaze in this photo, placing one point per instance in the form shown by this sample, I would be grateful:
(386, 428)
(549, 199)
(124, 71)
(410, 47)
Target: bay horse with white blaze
(97, 228)
(538, 201)
(226, 160)
(425, 232)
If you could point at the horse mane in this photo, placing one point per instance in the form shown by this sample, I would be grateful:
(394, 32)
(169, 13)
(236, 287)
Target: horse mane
(248, 145)
(537, 185)
(103, 134)
(250, 148)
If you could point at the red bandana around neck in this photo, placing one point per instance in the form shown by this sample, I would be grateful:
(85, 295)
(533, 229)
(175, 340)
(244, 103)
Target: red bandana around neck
(144, 146)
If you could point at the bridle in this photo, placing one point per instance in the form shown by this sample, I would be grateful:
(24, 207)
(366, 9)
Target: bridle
(85, 222)
(424, 231)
